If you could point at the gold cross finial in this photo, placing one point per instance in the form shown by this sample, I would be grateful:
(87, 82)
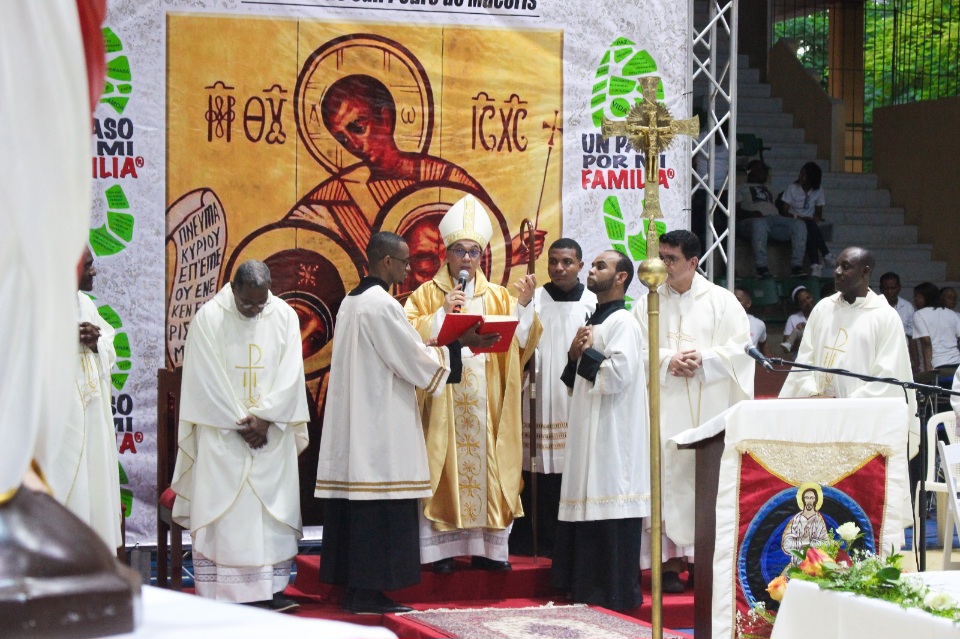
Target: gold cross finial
(651, 129)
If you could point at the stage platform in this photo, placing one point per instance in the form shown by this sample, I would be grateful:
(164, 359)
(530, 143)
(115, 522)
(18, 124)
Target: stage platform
(527, 585)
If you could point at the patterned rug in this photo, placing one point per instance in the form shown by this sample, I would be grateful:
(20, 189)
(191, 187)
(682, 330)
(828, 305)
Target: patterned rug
(545, 622)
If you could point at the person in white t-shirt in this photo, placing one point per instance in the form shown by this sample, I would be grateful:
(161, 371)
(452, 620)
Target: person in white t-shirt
(796, 323)
(804, 200)
(758, 218)
(948, 298)
(890, 289)
(937, 329)
(758, 330)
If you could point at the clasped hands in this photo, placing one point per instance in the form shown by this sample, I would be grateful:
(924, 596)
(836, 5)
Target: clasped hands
(685, 363)
(89, 334)
(581, 342)
(255, 433)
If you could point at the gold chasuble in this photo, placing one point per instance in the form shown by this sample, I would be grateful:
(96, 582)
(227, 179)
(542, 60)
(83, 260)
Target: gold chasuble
(473, 429)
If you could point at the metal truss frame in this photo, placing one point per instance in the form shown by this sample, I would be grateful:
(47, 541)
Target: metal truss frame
(717, 74)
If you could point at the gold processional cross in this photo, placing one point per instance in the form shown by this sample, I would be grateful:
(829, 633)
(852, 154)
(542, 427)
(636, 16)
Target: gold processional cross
(650, 129)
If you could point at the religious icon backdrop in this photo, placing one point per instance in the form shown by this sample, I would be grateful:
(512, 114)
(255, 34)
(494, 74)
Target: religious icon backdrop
(291, 131)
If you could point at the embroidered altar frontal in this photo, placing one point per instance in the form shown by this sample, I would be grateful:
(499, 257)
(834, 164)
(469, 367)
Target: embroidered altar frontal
(792, 472)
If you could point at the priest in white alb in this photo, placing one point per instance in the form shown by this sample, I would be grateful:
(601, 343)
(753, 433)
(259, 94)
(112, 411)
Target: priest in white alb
(563, 305)
(703, 371)
(473, 429)
(372, 469)
(606, 480)
(85, 477)
(243, 414)
(857, 330)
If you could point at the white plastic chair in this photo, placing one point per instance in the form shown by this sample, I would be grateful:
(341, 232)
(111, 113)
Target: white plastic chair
(931, 481)
(950, 459)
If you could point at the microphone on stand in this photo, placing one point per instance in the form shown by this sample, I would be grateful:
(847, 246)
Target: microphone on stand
(462, 278)
(752, 351)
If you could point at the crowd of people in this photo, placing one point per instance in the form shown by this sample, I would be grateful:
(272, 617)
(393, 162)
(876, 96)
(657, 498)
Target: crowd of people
(424, 451)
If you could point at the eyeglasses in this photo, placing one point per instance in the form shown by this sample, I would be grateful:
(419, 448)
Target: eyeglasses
(400, 259)
(671, 259)
(460, 252)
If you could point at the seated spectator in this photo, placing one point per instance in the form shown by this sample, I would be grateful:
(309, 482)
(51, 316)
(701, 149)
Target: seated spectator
(758, 218)
(793, 329)
(758, 330)
(935, 328)
(804, 200)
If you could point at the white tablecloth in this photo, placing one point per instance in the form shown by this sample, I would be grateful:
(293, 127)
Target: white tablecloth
(166, 614)
(808, 612)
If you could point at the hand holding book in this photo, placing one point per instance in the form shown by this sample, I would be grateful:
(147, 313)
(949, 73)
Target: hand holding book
(458, 325)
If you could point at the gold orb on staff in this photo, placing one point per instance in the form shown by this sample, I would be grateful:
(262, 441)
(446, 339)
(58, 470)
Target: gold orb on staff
(651, 129)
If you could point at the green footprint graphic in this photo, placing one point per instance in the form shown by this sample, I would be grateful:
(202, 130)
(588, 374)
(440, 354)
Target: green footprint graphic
(117, 87)
(121, 344)
(126, 495)
(633, 246)
(113, 237)
(616, 88)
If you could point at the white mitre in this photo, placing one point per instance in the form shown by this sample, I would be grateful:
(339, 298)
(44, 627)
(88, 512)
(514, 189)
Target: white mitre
(467, 219)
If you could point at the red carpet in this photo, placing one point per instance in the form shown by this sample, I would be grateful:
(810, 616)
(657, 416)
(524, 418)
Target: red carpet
(528, 584)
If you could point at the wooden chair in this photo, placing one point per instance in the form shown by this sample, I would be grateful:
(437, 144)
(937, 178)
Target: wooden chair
(932, 482)
(950, 458)
(168, 417)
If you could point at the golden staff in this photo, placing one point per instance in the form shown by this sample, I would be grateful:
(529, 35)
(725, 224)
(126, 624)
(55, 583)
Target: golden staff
(650, 128)
(529, 234)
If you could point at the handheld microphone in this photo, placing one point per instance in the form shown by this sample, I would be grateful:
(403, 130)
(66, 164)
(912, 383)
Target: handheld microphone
(462, 278)
(752, 351)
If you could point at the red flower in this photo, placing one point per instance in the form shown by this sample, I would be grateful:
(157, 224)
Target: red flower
(843, 559)
(813, 564)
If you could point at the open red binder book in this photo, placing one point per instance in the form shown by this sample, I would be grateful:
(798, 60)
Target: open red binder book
(456, 324)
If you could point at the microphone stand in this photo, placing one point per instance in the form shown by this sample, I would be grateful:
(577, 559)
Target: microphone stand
(926, 389)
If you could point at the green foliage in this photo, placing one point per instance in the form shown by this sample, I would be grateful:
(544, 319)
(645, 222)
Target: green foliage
(910, 51)
(809, 33)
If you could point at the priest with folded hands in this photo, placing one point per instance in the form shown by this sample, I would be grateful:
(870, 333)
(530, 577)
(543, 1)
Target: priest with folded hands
(605, 491)
(243, 414)
(473, 429)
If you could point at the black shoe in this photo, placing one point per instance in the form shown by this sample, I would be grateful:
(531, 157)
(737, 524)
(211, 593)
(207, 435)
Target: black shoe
(671, 583)
(281, 603)
(372, 602)
(690, 574)
(798, 271)
(763, 272)
(443, 566)
(482, 563)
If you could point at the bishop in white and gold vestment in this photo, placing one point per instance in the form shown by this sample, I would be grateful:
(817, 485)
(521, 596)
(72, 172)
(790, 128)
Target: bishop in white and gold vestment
(473, 429)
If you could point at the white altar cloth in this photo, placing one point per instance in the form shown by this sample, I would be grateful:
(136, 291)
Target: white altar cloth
(807, 611)
(165, 614)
